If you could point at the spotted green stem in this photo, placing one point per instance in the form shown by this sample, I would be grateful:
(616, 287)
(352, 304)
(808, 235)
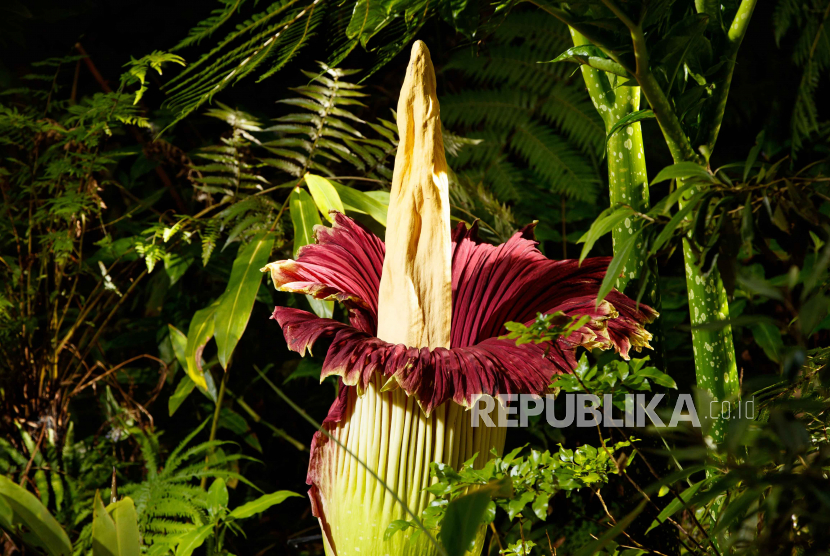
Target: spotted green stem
(715, 364)
(627, 177)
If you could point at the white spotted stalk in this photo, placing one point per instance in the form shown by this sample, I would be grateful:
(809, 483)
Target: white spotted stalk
(715, 365)
(627, 177)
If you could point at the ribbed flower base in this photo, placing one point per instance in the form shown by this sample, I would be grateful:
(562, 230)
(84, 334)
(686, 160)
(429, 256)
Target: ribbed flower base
(390, 433)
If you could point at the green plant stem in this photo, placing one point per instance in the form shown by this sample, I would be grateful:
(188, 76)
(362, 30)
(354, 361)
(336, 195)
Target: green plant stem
(679, 145)
(592, 33)
(715, 365)
(438, 547)
(627, 178)
(714, 351)
(216, 413)
(713, 116)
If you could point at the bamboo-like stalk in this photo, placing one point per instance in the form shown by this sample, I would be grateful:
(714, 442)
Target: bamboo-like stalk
(715, 365)
(714, 350)
(627, 176)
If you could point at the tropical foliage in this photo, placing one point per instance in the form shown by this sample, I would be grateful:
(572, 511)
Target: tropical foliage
(153, 159)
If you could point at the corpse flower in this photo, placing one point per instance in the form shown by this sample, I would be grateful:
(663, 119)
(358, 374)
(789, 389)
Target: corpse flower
(426, 312)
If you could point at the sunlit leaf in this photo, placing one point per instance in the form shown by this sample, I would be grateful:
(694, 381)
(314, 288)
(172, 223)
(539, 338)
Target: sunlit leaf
(261, 504)
(25, 517)
(233, 312)
(325, 195)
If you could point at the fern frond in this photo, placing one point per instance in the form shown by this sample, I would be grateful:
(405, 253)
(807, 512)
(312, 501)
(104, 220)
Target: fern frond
(326, 130)
(274, 35)
(527, 26)
(211, 24)
(527, 113)
(469, 196)
(504, 179)
(786, 13)
(570, 110)
(511, 66)
(172, 466)
(175, 458)
(499, 108)
(564, 169)
(170, 502)
(812, 53)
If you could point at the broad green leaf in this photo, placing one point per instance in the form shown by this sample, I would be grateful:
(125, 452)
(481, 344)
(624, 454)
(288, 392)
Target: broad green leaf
(6, 513)
(322, 308)
(307, 368)
(325, 195)
(175, 266)
(682, 39)
(753, 154)
(232, 315)
(466, 513)
(675, 505)
(179, 342)
(629, 119)
(813, 312)
(769, 338)
(104, 533)
(379, 195)
(304, 216)
(362, 202)
(194, 539)
(738, 508)
(368, 17)
(217, 496)
(679, 38)
(199, 333)
(236, 423)
(592, 56)
(461, 521)
(658, 377)
(126, 527)
(683, 170)
(183, 390)
(261, 504)
(463, 15)
(759, 285)
(24, 517)
(616, 265)
(597, 545)
(395, 526)
(599, 228)
(665, 204)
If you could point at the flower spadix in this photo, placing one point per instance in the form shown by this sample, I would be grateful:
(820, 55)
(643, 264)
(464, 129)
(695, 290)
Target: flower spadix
(426, 309)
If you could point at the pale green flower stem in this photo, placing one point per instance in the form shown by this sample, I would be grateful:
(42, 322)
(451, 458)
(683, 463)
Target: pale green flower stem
(391, 434)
